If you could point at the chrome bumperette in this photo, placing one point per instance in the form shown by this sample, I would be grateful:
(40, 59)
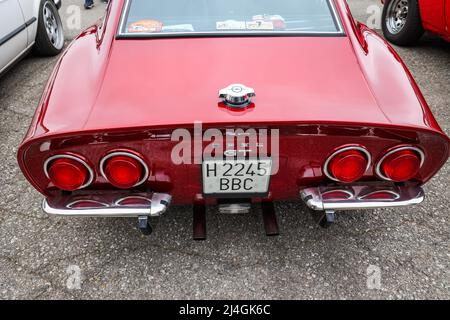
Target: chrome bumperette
(155, 205)
(404, 196)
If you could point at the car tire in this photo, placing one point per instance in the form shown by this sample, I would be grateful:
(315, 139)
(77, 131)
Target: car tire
(50, 34)
(401, 22)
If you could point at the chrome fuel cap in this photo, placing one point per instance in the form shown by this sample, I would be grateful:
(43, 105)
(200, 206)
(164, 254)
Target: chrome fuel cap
(237, 95)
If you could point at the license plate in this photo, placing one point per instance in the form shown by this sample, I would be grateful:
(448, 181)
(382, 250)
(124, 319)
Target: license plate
(246, 176)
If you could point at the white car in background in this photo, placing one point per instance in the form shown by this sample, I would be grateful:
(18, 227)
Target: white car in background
(26, 25)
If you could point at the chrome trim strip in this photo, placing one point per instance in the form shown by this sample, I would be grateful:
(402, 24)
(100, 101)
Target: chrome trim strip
(225, 33)
(327, 162)
(408, 196)
(378, 166)
(127, 154)
(159, 204)
(124, 35)
(68, 156)
(122, 17)
(336, 16)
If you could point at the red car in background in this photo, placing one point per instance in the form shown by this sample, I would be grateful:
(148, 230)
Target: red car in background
(230, 103)
(405, 21)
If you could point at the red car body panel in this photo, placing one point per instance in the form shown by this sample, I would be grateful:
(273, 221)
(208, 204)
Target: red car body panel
(436, 17)
(321, 92)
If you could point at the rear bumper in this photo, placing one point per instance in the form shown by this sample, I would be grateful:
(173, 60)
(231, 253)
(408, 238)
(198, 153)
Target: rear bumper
(114, 205)
(361, 197)
(155, 204)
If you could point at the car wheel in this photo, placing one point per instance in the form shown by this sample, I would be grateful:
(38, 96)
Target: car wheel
(50, 34)
(402, 24)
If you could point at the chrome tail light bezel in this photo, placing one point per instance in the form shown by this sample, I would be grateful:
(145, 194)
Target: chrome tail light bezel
(344, 149)
(125, 154)
(75, 158)
(378, 170)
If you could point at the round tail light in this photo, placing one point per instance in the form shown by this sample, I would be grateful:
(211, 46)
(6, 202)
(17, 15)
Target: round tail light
(400, 165)
(124, 170)
(68, 173)
(348, 164)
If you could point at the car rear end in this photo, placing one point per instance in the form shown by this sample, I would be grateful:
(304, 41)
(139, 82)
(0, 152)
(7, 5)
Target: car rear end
(232, 117)
(329, 167)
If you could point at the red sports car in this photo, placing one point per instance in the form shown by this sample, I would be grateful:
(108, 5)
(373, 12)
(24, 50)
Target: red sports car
(405, 21)
(230, 103)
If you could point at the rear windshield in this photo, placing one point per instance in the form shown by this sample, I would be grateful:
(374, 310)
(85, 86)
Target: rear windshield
(221, 17)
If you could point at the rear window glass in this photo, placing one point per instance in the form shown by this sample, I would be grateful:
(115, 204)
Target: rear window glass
(191, 17)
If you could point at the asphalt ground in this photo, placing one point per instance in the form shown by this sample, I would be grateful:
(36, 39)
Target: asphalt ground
(394, 253)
